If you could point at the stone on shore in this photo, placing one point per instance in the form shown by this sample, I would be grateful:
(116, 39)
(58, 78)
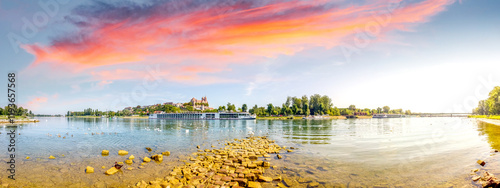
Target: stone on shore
(157, 158)
(279, 156)
(480, 162)
(129, 161)
(122, 152)
(265, 178)
(105, 152)
(252, 184)
(149, 149)
(52, 157)
(89, 170)
(131, 157)
(166, 153)
(111, 171)
(147, 159)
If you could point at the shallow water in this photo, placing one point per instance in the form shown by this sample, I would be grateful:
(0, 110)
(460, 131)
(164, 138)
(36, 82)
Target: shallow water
(406, 152)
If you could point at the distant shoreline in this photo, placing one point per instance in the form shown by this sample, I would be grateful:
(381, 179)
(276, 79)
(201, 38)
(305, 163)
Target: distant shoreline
(125, 117)
(17, 121)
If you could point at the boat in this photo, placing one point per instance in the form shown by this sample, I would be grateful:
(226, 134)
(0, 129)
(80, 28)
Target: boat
(387, 115)
(204, 116)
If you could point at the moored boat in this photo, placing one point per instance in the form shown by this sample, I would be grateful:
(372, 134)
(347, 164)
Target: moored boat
(204, 116)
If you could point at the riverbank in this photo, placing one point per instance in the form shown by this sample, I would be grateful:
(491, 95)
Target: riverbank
(485, 116)
(300, 117)
(17, 121)
(125, 117)
(241, 163)
(490, 121)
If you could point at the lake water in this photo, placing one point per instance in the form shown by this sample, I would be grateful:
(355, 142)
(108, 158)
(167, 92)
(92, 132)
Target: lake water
(404, 152)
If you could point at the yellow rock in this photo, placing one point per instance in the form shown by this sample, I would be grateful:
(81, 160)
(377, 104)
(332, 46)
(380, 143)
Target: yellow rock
(143, 164)
(120, 163)
(253, 184)
(122, 152)
(146, 159)
(105, 152)
(264, 178)
(111, 171)
(89, 170)
(166, 153)
(103, 167)
(157, 158)
(129, 161)
(52, 157)
(130, 168)
(28, 157)
(266, 164)
(131, 157)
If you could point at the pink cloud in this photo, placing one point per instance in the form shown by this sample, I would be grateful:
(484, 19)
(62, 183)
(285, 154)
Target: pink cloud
(212, 37)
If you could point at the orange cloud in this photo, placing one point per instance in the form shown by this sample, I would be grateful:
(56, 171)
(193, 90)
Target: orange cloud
(35, 103)
(211, 37)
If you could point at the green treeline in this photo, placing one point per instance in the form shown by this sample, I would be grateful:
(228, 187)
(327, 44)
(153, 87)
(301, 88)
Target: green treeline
(138, 110)
(491, 105)
(313, 105)
(317, 105)
(19, 111)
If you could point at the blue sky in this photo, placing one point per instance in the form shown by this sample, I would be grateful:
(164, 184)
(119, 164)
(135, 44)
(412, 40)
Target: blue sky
(431, 56)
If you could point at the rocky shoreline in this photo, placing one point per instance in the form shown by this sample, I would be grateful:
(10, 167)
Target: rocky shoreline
(240, 163)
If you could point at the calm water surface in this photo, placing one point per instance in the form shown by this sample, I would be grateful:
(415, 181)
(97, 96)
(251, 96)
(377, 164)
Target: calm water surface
(406, 152)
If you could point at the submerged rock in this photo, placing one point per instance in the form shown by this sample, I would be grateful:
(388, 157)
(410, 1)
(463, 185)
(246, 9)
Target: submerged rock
(122, 152)
(105, 152)
(52, 157)
(157, 158)
(252, 184)
(89, 170)
(149, 149)
(480, 162)
(111, 171)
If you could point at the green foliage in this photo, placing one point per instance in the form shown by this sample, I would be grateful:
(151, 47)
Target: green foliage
(244, 107)
(386, 109)
(231, 107)
(490, 106)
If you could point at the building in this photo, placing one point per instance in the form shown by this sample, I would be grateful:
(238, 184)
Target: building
(199, 104)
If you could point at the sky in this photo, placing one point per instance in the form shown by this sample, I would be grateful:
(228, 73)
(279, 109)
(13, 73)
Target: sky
(421, 55)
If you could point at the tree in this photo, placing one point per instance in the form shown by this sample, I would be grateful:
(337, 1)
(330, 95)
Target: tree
(386, 109)
(289, 101)
(231, 107)
(1, 111)
(270, 108)
(408, 112)
(352, 107)
(307, 110)
(305, 104)
(244, 107)
(336, 112)
(494, 101)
